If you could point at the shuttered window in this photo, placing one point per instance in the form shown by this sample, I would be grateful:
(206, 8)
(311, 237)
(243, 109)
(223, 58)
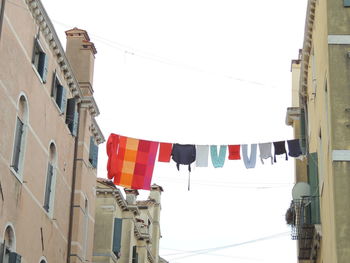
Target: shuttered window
(314, 188)
(93, 154)
(48, 188)
(135, 256)
(17, 149)
(346, 3)
(14, 258)
(58, 93)
(302, 131)
(72, 116)
(117, 236)
(40, 60)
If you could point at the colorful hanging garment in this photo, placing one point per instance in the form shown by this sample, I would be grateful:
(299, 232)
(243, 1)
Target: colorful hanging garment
(234, 152)
(183, 154)
(202, 155)
(135, 163)
(265, 151)
(294, 148)
(165, 152)
(280, 148)
(218, 160)
(249, 162)
(112, 148)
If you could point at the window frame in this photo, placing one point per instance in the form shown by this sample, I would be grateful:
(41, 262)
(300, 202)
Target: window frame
(40, 60)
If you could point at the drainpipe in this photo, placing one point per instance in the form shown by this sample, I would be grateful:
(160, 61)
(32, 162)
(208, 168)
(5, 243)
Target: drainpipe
(74, 175)
(2, 14)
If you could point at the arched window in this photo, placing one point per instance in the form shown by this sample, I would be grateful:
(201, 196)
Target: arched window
(20, 136)
(8, 247)
(50, 180)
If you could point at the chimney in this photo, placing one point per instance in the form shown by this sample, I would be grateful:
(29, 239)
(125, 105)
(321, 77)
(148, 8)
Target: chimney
(156, 191)
(131, 196)
(81, 55)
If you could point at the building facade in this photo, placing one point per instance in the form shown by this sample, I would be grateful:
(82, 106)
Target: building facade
(126, 230)
(320, 117)
(49, 139)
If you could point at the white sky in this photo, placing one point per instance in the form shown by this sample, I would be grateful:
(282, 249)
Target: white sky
(206, 72)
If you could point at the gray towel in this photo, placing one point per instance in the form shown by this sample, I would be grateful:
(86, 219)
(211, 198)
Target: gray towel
(202, 155)
(265, 151)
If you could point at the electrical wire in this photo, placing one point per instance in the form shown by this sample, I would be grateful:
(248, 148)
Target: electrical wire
(194, 253)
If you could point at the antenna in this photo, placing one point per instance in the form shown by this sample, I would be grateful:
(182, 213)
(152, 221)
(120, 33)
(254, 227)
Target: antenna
(300, 190)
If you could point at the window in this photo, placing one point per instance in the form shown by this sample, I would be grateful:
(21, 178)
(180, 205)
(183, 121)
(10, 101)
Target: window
(50, 181)
(314, 188)
(8, 247)
(93, 153)
(117, 236)
(58, 93)
(72, 116)
(20, 135)
(40, 60)
(135, 255)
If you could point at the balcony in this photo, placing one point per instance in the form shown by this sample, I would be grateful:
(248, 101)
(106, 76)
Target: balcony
(305, 228)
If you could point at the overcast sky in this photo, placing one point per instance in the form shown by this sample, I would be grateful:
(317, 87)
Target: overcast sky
(200, 72)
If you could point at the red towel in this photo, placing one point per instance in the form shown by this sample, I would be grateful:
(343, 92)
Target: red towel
(234, 152)
(112, 147)
(164, 152)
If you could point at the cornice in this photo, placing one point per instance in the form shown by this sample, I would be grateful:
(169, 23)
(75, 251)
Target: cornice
(90, 102)
(307, 45)
(46, 27)
(96, 132)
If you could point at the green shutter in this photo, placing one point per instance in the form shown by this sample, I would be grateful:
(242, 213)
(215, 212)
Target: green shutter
(14, 258)
(93, 154)
(117, 236)
(314, 188)
(135, 256)
(54, 83)
(346, 3)
(75, 124)
(302, 132)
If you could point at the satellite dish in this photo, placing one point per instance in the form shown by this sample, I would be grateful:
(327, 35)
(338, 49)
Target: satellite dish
(300, 190)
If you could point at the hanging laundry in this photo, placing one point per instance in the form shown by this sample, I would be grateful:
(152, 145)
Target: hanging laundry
(183, 154)
(265, 151)
(112, 148)
(234, 152)
(250, 161)
(218, 160)
(280, 148)
(165, 152)
(202, 155)
(294, 148)
(135, 163)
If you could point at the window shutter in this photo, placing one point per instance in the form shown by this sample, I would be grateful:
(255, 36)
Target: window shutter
(14, 258)
(35, 49)
(135, 255)
(75, 124)
(63, 102)
(17, 145)
(54, 83)
(117, 236)
(43, 66)
(48, 187)
(314, 188)
(302, 132)
(346, 3)
(93, 154)
(70, 111)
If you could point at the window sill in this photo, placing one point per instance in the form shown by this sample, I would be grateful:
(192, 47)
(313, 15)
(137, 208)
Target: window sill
(37, 74)
(17, 175)
(60, 113)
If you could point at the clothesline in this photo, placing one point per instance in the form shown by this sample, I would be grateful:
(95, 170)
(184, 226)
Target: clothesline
(131, 161)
